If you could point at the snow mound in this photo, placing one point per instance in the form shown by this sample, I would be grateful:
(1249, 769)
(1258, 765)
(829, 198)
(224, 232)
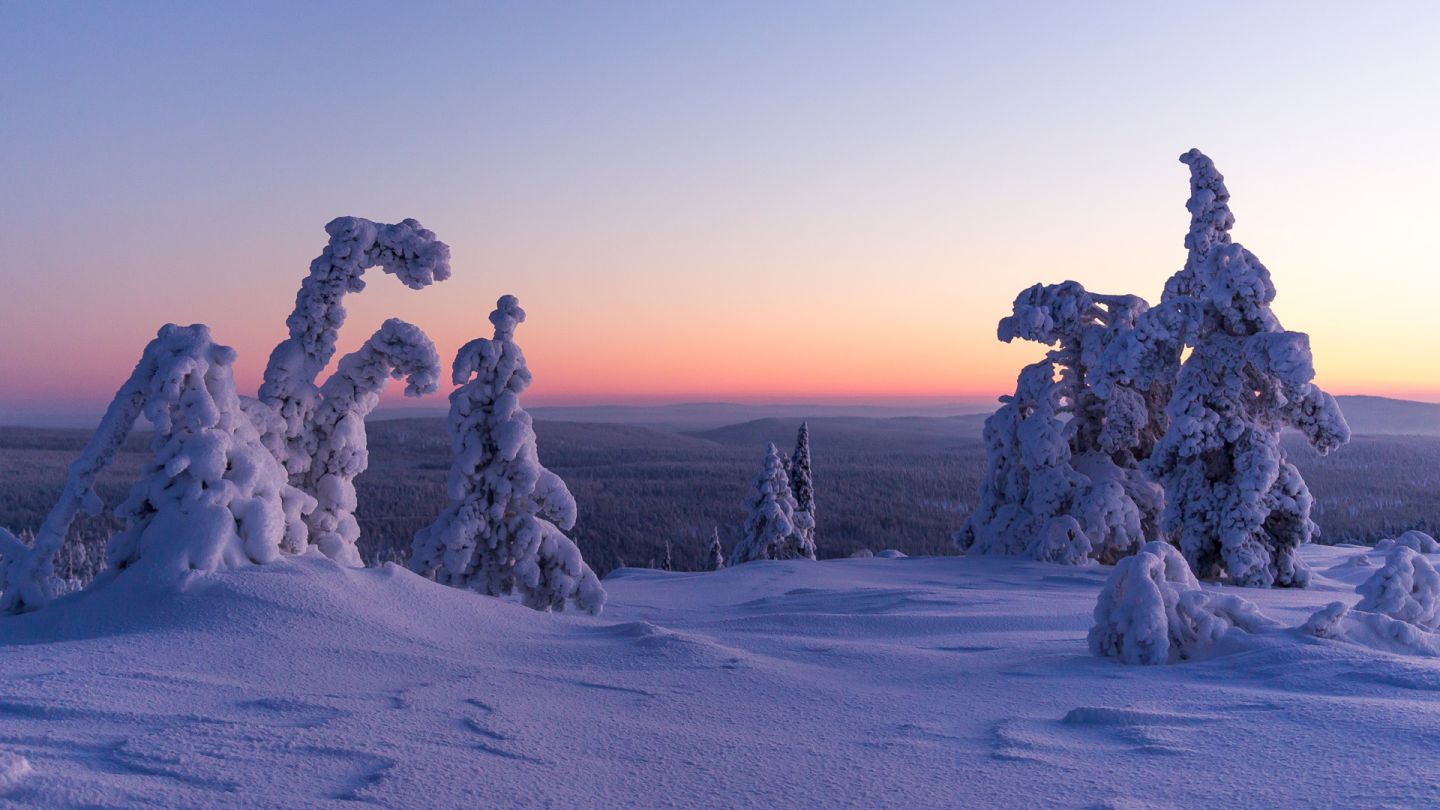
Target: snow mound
(13, 769)
(1413, 540)
(1152, 611)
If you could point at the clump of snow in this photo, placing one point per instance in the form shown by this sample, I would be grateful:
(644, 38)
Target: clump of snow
(1152, 611)
(1062, 541)
(770, 532)
(399, 350)
(213, 497)
(1406, 588)
(504, 529)
(406, 250)
(1413, 540)
(891, 554)
(13, 770)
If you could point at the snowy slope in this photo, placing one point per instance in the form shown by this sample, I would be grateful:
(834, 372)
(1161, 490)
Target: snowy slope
(921, 682)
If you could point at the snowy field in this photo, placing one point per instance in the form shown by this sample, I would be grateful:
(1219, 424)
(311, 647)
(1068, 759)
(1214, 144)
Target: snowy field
(922, 682)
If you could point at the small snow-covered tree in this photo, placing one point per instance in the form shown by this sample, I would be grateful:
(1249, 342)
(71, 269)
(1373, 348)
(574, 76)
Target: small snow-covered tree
(1153, 611)
(504, 529)
(398, 349)
(404, 249)
(803, 487)
(213, 497)
(717, 551)
(1234, 503)
(770, 529)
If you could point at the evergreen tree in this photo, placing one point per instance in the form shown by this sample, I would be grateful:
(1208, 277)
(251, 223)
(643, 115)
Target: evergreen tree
(717, 551)
(770, 529)
(504, 529)
(802, 486)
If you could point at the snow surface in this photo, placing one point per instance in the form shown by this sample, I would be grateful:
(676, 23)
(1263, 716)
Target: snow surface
(919, 682)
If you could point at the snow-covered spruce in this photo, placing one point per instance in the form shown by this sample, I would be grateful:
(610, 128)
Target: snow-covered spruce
(399, 350)
(404, 249)
(803, 487)
(213, 497)
(503, 531)
(1234, 504)
(1062, 432)
(770, 529)
(716, 560)
(1152, 611)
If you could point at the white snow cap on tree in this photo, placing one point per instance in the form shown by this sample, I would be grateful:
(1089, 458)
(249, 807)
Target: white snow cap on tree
(405, 249)
(717, 551)
(504, 529)
(1399, 608)
(803, 487)
(399, 350)
(1234, 503)
(1413, 539)
(213, 497)
(770, 529)
(1152, 611)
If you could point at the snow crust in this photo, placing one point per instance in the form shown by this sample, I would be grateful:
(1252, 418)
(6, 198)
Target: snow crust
(305, 684)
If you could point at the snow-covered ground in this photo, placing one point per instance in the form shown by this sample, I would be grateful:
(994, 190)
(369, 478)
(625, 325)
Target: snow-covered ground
(920, 682)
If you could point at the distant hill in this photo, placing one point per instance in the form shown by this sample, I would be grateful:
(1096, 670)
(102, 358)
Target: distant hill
(700, 416)
(856, 434)
(1385, 416)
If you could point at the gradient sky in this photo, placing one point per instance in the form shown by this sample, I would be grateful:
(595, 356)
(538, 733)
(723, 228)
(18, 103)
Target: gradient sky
(740, 201)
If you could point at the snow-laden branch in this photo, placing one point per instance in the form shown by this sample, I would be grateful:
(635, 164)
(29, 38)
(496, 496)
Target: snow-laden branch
(399, 350)
(405, 249)
(503, 531)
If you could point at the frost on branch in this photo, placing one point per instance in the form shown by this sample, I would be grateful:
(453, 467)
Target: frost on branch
(213, 497)
(1071, 430)
(770, 529)
(803, 487)
(1152, 611)
(404, 249)
(1234, 503)
(399, 350)
(503, 531)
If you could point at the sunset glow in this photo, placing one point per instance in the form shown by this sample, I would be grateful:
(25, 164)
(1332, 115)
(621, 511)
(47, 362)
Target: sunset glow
(694, 206)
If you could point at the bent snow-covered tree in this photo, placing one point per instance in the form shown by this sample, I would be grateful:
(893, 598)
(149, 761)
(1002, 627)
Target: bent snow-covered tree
(404, 249)
(399, 350)
(1235, 504)
(770, 529)
(803, 487)
(213, 497)
(503, 531)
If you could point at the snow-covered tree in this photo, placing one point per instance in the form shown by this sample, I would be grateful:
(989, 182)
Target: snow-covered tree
(399, 350)
(803, 487)
(717, 551)
(404, 249)
(503, 531)
(1153, 611)
(770, 529)
(1234, 503)
(1088, 444)
(213, 497)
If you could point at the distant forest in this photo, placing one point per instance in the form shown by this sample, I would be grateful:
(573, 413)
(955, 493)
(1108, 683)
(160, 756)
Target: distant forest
(903, 483)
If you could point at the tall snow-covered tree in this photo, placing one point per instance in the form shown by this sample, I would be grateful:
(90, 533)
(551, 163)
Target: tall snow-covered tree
(803, 487)
(1234, 503)
(770, 529)
(398, 349)
(717, 551)
(503, 531)
(405, 250)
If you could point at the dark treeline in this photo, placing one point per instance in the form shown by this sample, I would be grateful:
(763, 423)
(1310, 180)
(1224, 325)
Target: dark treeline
(880, 483)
